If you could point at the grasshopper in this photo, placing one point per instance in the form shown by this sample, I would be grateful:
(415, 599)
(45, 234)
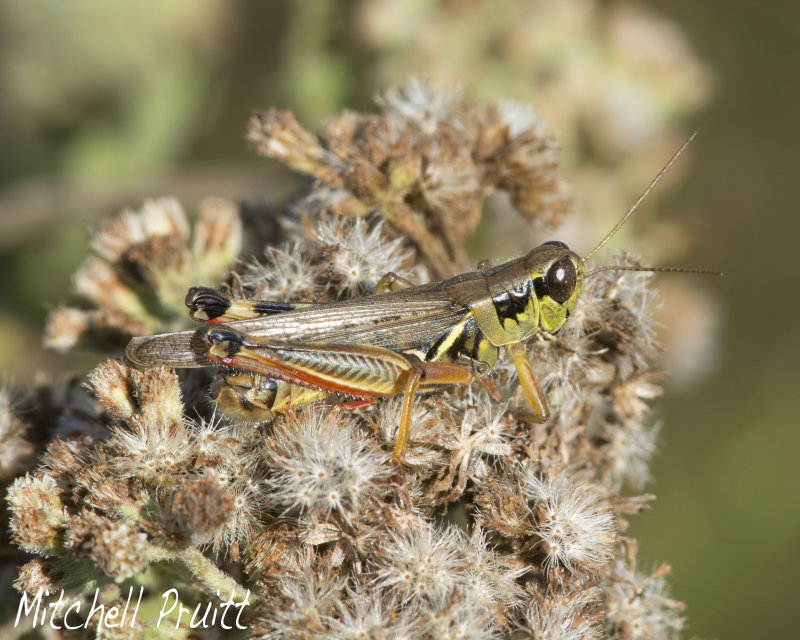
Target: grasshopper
(403, 339)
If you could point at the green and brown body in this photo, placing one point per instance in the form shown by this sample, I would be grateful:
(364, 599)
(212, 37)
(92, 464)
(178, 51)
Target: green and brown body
(400, 340)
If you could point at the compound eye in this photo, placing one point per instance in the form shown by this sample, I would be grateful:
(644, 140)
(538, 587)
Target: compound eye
(561, 279)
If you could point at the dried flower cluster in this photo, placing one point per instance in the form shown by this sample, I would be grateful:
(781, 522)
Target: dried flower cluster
(495, 527)
(424, 164)
(146, 260)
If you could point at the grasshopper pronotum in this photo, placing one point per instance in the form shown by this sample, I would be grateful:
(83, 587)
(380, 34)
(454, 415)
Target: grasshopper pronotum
(403, 339)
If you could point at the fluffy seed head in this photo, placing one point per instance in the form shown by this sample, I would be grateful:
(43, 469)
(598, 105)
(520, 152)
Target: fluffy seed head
(424, 563)
(563, 614)
(421, 103)
(576, 529)
(37, 513)
(320, 464)
(631, 447)
(288, 273)
(150, 449)
(358, 256)
(639, 605)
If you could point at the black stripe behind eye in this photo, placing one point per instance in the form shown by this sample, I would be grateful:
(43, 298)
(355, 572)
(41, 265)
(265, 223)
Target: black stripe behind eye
(519, 297)
(539, 287)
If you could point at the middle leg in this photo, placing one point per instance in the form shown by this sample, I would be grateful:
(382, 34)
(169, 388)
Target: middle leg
(426, 374)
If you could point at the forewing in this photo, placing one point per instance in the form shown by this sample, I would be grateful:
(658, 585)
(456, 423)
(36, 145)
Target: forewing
(179, 349)
(403, 319)
(406, 319)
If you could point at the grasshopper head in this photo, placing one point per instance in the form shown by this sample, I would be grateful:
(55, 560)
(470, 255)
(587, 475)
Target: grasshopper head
(558, 275)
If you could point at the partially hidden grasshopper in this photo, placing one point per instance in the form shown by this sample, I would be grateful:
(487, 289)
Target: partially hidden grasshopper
(402, 339)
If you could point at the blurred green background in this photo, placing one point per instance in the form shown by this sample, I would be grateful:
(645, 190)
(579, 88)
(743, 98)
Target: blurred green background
(103, 104)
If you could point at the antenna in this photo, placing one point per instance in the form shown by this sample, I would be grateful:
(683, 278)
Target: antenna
(619, 224)
(705, 272)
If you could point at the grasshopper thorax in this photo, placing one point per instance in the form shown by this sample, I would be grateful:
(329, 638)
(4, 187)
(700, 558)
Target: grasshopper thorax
(535, 293)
